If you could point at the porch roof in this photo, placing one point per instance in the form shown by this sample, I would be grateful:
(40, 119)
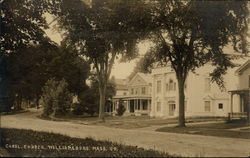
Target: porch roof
(131, 97)
(240, 91)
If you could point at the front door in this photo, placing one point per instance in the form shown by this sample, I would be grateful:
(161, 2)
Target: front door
(171, 109)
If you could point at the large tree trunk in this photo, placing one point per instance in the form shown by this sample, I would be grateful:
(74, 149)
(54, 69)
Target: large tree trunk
(102, 92)
(181, 82)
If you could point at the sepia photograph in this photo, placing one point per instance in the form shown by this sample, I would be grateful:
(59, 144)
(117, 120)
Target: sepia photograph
(125, 78)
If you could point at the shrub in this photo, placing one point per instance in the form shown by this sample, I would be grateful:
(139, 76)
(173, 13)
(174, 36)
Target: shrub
(121, 108)
(56, 98)
(88, 103)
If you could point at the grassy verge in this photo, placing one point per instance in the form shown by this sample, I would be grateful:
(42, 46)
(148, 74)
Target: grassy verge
(130, 122)
(213, 129)
(40, 144)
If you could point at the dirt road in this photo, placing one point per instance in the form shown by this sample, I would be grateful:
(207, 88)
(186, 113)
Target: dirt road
(179, 144)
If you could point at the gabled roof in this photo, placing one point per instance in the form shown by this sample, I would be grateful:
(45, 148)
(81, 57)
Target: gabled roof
(243, 67)
(146, 77)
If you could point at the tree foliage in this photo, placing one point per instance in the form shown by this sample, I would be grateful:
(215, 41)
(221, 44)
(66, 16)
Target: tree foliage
(22, 23)
(101, 32)
(56, 98)
(29, 69)
(89, 99)
(189, 34)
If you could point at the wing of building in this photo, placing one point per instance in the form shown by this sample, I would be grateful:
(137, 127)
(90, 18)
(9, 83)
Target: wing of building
(156, 94)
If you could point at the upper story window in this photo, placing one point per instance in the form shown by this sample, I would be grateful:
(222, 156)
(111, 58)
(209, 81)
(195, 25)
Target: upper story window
(167, 87)
(136, 91)
(143, 90)
(171, 86)
(158, 87)
(132, 91)
(207, 85)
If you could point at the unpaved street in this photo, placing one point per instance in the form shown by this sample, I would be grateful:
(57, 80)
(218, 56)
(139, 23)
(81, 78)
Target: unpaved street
(179, 144)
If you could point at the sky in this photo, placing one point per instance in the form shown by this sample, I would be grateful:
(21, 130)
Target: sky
(119, 70)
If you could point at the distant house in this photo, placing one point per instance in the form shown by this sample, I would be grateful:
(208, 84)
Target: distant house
(137, 99)
(202, 97)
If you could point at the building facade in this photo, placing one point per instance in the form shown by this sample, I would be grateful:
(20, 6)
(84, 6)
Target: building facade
(138, 99)
(156, 94)
(202, 97)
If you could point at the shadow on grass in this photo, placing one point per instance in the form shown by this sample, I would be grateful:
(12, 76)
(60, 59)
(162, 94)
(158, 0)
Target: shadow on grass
(213, 129)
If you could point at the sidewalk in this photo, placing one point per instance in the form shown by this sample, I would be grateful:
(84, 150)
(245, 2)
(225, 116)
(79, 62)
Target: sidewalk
(178, 144)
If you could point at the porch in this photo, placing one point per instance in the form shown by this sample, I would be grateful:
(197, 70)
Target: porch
(244, 104)
(134, 106)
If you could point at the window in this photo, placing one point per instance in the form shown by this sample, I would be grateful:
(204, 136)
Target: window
(207, 85)
(174, 86)
(171, 85)
(220, 106)
(124, 93)
(143, 90)
(207, 106)
(158, 87)
(166, 87)
(132, 91)
(158, 107)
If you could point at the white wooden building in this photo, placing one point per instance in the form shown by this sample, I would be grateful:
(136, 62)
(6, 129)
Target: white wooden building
(202, 97)
(137, 101)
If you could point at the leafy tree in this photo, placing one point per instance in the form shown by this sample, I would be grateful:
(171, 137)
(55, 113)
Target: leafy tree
(30, 68)
(66, 64)
(189, 34)
(121, 108)
(22, 24)
(101, 32)
(27, 73)
(144, 65)
(56, 98)
(89, 99)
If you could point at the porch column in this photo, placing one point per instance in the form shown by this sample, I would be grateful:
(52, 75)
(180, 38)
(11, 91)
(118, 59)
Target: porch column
(231, 107)
(140, 104)
(128, 103)
(149, 106)
(241, 105)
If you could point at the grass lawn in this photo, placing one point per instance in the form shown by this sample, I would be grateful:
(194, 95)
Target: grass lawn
(213, 129)
(131, 122)
(30, 143)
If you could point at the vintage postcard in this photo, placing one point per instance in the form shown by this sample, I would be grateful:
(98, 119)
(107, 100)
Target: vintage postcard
(124, 78)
